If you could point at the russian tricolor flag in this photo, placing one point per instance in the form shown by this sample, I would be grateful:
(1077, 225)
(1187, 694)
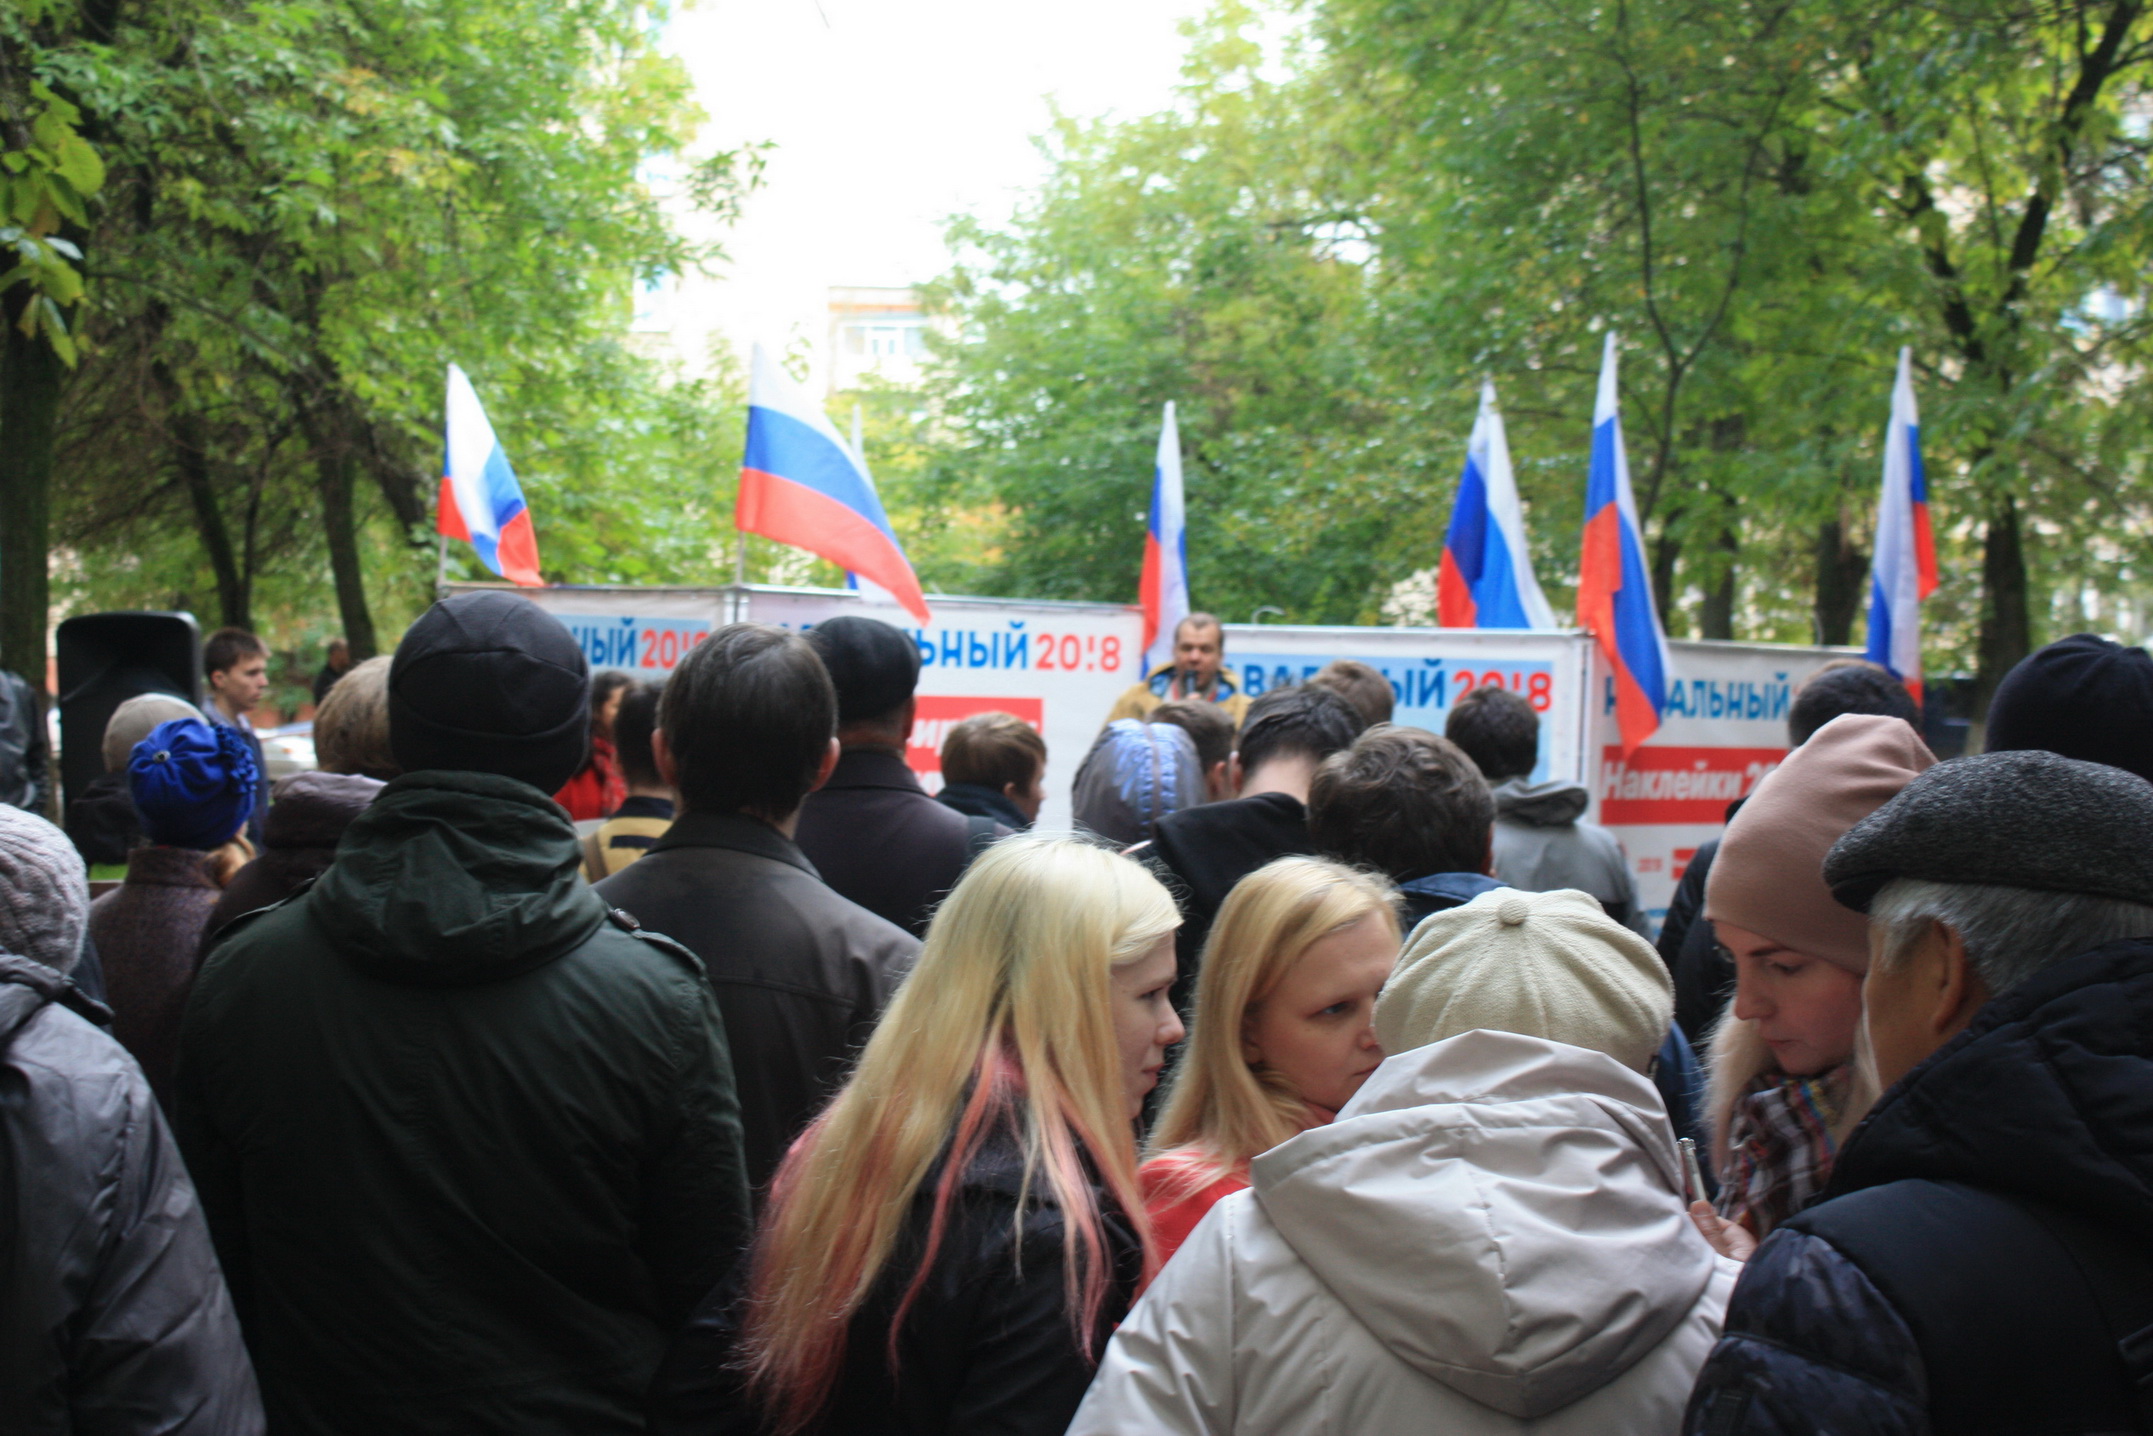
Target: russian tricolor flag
(1904, 570)
(1486, 579)
(801, 484)
(1614, 586)
(1164, 587)
(481, 503)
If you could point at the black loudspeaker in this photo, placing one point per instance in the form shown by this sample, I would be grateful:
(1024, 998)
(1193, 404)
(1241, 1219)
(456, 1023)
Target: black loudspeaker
(108, 658)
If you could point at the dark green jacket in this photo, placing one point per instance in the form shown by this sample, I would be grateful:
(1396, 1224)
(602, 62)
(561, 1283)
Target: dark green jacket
(469, 1148)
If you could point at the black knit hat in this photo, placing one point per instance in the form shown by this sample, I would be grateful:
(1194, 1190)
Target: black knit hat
(874, 666)
(2083, 697)
(490, 683)
(2015, 820)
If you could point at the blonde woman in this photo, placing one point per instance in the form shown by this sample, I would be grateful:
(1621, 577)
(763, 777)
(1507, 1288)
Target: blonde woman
(1285, 1035)
(950, 1244)
(1785, 1088)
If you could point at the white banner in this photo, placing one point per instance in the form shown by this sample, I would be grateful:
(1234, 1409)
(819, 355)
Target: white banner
(1060, 667)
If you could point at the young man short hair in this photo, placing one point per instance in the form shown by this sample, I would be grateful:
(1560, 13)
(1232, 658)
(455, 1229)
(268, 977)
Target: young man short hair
(994, 765)
(1203, 851)
(1360, 685)
(236, 663)
(1412, 806)
(746, 730)
(1542, 841)
(1213, 734)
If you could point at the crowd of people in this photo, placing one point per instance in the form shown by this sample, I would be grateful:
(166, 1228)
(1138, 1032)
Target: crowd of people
(576, 1054)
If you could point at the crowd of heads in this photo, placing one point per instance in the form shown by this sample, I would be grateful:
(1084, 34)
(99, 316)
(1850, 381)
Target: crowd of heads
(1079, 1029)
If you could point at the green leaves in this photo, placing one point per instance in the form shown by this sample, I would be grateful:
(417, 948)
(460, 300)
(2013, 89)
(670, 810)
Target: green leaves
(48, 173)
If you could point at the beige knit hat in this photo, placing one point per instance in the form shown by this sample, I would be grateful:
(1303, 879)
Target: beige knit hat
(1769, 875)
(131, 722)
(1550, 965)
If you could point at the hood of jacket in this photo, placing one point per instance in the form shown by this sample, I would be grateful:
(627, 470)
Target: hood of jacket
(27, 988)
(1502, 1212)
(2048, 1094)
(449, 879)
(311, 810)
(1557, 803)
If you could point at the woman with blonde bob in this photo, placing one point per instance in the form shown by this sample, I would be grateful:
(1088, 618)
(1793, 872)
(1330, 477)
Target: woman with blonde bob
(949, 1245)
(1285, 1030)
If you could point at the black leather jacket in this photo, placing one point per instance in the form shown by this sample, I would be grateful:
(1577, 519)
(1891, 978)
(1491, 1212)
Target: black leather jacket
(801, 974)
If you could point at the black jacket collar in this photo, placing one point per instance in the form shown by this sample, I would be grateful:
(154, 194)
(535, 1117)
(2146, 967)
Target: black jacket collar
(873, 768)
(734, 831)
(2048, 1095)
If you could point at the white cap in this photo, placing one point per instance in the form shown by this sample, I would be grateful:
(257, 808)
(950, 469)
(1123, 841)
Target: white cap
(1550, 965)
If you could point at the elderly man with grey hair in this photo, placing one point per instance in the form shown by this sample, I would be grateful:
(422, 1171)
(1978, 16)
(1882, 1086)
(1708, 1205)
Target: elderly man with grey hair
(1980, 1262)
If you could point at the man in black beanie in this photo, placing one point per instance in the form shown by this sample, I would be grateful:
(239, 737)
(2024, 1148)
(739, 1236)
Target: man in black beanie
(2083, 697)
(468, 1141)
(872, 831)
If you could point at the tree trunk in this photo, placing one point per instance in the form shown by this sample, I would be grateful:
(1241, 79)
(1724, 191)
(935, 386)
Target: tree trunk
(1665, 552)
(1841, 567)
(31, 381)
(235, 596)
(2006, 624)
(333, 462)
(1715, 616)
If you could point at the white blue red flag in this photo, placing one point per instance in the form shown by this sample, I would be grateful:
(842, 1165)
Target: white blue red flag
(801, 484)
(1486, 579)
(1164, 588)
(481, 503)
(1614, 585)
(1904, 570)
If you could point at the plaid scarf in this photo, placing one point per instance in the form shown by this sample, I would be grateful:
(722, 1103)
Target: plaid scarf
(1780, 1146)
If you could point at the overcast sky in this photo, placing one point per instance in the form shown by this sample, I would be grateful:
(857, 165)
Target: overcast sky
(890, 115)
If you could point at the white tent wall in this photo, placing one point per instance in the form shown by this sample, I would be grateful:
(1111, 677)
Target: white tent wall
(1060, 666)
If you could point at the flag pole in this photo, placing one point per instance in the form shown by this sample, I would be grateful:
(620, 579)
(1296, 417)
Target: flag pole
(441, 572)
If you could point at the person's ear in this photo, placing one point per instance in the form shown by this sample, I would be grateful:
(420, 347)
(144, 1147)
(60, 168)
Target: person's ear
(1487, 859)
(661, 758)
(827, 767)
(1234, 776)
(905, 717)
(1958, 990)
(1250, 1052)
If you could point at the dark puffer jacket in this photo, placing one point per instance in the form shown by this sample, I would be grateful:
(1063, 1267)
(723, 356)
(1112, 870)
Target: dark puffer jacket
(115, 1317)
(1941, 1286)
(986, 1348)
(469, 1149)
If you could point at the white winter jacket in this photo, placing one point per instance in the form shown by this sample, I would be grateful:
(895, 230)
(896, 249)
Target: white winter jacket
(1490, 1238)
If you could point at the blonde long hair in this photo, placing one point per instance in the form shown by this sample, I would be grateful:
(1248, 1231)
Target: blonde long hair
(1005, 1022)
(1222, 1105)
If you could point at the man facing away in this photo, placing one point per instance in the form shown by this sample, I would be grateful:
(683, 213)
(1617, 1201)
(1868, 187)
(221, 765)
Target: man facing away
(633, 829)
(1197, 672)
(1203, 851)
(871, 830)
(236, 663)
(1979, 1263)
(1413, 807)
(467, 1142)
(1542, 841)
(744, 734)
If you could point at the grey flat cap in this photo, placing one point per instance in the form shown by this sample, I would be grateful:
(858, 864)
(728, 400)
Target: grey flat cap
(2022, 820)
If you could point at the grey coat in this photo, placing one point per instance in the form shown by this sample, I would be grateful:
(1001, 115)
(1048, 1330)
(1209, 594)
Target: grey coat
(1543, 844)
(114, 1312)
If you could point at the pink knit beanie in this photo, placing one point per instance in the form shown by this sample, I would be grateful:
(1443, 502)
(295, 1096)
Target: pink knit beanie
(1769, 875)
